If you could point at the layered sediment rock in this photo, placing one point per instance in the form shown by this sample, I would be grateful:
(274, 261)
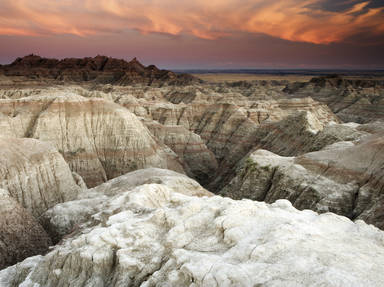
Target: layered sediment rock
(199, 162)
(286, 136)
(35, 174)
(356, 100)
(154, 227)
(230, 131)
(151, 235)
(99, 139)
(229, 123)
(21, 235)
(304, 132)
(344, 178)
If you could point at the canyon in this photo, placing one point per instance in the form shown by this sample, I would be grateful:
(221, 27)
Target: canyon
(117, 174)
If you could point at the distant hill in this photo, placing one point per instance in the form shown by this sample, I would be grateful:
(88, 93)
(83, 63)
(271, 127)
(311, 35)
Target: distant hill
(100, 69)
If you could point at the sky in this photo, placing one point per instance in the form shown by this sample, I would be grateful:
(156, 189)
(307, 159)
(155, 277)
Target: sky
(200, 34)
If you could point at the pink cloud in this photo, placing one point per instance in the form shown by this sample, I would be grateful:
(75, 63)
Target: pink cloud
(291, 20)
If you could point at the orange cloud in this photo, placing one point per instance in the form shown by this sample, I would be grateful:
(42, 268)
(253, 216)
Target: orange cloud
(292, 20)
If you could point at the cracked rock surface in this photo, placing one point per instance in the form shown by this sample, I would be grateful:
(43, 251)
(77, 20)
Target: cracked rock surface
(130, 132)
(151, 235)
(67, 217)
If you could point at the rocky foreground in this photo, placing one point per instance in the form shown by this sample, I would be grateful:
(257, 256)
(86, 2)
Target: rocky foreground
(116, 174)
(161, 232)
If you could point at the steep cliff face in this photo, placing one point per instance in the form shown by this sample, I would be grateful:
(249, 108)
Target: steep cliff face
(355, 100)
(151, 235)
(153, 226)
(21, 235)
(198, 161)
(229, 123)
(304, 132)
(35, 174)
(99, 139)
(229, 130)
(345, 178)
(287, 136)
(361, 165)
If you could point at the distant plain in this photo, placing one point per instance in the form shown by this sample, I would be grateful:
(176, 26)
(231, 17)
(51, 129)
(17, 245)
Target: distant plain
(217, 76)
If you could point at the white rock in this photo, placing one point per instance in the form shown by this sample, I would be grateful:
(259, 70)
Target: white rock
(35, 174)
(66, 217)
(153, 236)
(345, 178)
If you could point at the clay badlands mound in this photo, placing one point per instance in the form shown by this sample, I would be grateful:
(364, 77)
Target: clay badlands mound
(117, 174)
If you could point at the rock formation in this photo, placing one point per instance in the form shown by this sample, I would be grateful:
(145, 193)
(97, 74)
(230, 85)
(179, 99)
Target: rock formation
(69, 216)
(199, 162)
(99, 139)
(99, 69)
(151, 235)
(111, 125)
(345, 178)
(355, 100)
(304, 132)
(229, 130)
(21, 235)
(229, 123)
(35, 174)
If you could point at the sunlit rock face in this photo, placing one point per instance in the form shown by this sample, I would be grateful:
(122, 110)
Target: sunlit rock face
(21, 235)
(292, 135)
(152, 235)
(353, 100)
(35, 174)
(195, 122)
(68, 217)
(345, 177)
(130, 132)
(230, 124)
(264, 140)
(99, 139)
(226, 126)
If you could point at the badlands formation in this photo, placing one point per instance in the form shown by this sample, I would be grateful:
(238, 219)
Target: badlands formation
(117, 174)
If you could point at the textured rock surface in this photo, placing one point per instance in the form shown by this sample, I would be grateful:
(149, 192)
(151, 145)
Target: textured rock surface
(35, 174)
(230, 120)
(21, 235)
(153, 236)
(302, 132)
(361, 165)
(344, 178)
(351, 99)
(155, 227)
(67, 217)
(199, 162)
(99, 139)
(292, 135)
(229, 130)
(99, 69)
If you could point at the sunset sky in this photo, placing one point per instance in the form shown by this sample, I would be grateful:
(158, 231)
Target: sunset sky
(199, 34)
